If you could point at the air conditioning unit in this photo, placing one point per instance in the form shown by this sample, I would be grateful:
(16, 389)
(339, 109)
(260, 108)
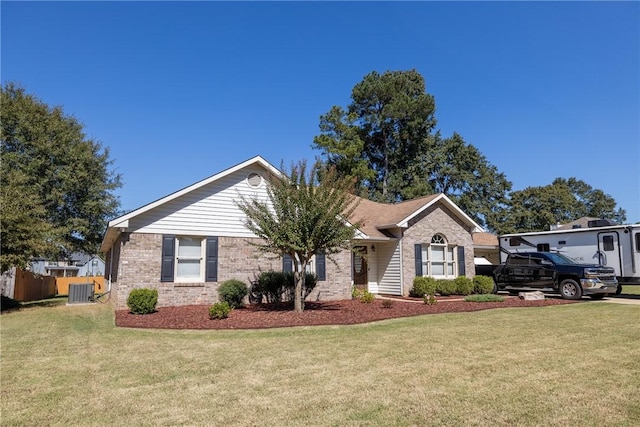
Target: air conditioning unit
(80, 293)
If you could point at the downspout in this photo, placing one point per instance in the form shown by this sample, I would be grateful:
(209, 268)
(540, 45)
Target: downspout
(110, 266)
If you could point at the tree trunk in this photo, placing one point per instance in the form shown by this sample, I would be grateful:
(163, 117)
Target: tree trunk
(298, 277)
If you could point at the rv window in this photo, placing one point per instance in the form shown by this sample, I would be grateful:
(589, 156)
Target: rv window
(542, 247)
(637, 242)
(607, 243)
(514, 241)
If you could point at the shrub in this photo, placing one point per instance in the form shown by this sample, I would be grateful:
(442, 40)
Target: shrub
(220, 310)
(356, 293)
(484, 298)
(233, 292)
(142, 300)
(277, 286)
(423, 286)
(271, 284)
(367, 297)
(464, 285)
(430, 299)
(445, 287)
(387, 303)
(310, 282)
(483, 285)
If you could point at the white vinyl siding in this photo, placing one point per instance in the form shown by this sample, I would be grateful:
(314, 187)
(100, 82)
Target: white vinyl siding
(209, 210)
(390, 268)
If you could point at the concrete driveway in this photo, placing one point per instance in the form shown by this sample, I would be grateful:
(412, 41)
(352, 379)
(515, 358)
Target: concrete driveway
(623, 299)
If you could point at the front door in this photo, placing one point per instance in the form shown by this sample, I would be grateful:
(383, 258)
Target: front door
(360, 277)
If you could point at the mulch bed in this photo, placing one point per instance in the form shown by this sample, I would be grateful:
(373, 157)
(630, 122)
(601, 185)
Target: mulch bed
(345, 312)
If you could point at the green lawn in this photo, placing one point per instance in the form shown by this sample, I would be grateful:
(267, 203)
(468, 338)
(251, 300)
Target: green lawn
(631, 290)
(570, 365)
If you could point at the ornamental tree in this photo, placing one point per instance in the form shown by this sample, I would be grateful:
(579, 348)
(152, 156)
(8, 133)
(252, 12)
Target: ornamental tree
(307, 211)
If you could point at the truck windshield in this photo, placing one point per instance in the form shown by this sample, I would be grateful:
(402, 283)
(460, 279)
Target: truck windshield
(559, 259)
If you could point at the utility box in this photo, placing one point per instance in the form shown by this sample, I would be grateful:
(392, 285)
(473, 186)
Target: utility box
(80, 293)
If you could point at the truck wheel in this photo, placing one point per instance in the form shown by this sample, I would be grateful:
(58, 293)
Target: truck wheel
(570, 289)
(494, 290)
(619, 290)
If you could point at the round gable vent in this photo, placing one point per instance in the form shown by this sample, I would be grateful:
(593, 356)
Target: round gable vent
(254, 180)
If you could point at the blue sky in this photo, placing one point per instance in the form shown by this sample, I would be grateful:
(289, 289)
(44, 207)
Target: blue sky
(181, 91)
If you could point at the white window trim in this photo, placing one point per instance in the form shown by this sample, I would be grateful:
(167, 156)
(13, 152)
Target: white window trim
(427, 260)
(176, 277)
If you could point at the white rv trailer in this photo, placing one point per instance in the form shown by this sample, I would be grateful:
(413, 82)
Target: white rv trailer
(601, 242)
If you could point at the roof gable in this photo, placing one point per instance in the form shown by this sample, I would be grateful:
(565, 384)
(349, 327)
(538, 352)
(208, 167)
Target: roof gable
(378, 217)
(122, 220)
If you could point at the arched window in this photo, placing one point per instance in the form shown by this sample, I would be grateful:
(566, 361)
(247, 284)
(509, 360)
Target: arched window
(438, 258)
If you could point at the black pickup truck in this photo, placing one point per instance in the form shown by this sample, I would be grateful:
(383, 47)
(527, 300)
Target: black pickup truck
(552, 272)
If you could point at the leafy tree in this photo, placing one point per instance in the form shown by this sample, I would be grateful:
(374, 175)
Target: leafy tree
(53, 178)
(384, 128)
(385, 140)
(460, 171)
(306, 212)
(536, 208)
(24, 229)
(592, 202)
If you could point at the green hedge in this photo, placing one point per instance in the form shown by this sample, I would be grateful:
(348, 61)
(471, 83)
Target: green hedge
(220, 310)
(446, 287)
(483, 285)
(461, 285)
(142, 300)
(423, 286)
(277, 286)
(233, 292)
(464, 285)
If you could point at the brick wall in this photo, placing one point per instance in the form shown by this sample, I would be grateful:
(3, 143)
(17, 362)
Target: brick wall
(435, 220)
(138, 266)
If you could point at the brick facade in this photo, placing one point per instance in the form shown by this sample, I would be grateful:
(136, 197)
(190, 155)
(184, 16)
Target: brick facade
(434, 220)
(137, 262)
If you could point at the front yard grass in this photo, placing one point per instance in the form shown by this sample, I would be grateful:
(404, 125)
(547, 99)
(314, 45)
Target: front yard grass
(576, 365)
(631, 290)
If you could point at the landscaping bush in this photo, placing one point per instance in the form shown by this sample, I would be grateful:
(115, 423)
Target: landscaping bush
(220, 310)
(423, 286)
(310, 282)
(483, 285)
(464, 285)
(270, 284)
(445, 287)
(278, 286)
(484, 298)
(429, 299)
(233, 292)
(142, 300)
(367, 297)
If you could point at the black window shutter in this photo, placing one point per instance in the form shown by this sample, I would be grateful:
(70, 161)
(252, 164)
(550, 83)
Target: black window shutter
(211, 265)
(418, 252)
(287, 264)
(461, 263)
(321, 266)
(168, 258)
